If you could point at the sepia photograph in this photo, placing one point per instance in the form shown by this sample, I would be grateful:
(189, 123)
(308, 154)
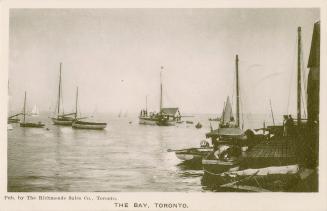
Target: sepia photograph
(163, 100)
(129, 105)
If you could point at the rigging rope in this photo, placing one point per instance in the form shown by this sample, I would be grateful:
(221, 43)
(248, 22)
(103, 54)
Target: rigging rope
(291, 78)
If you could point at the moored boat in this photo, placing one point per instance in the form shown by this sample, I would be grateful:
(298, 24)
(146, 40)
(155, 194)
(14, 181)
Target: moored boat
(78, 124)
(195, 154)
(61, 118)
(13, 118)
(198, 125)
(29, 124)
(9, 127)
(165, 116)
(89, 125)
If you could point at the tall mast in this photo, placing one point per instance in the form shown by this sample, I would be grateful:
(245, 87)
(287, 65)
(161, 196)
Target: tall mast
(76, 102)
(146, 103)
(299, 76)
(161, 89)
(237, 95)
(24, 108)
(59, 91)
(272, 113)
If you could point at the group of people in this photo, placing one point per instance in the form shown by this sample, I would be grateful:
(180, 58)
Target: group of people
(288, 125)
(144, 113)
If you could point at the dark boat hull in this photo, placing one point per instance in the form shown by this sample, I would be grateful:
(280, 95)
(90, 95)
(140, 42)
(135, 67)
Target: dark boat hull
(218, 166)
(89, 125)
(32, 125)
(278, 178)
(156, 121)
(13, 121)
(147, 121)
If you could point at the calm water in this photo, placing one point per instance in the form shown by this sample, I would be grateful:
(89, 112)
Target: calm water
(124, 157)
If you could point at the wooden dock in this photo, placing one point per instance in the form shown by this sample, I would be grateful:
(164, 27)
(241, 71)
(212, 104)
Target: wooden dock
(274, 153)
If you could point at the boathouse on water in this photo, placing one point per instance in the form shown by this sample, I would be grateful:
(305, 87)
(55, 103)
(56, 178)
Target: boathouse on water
(171, 112)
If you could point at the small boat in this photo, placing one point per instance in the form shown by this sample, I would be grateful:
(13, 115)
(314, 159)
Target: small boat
(198, 125)
(78, 124)
(195, 154)
(88, 125)
(29, 124)
(9, 127)
(35, 111)
(61, 118)
(12, 119)
(189, 122)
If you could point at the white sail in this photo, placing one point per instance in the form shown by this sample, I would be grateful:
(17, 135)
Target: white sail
(35, 111)
(227, 115)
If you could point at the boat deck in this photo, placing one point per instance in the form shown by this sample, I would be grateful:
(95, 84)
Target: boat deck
(274, 153)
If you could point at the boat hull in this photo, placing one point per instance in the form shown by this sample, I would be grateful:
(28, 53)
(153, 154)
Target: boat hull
(218, 166)
(188, 157)
(147, 121)
(154, 121)
(166, 123)
(33, 125)
(89, 125)
(193, 154)
(13, 120)
(57, 121)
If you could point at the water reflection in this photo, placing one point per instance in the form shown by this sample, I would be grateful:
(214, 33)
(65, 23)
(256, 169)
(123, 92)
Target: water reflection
(124, 157)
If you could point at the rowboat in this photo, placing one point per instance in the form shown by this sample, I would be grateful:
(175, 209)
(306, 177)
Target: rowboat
(193, 154)
(88, 125)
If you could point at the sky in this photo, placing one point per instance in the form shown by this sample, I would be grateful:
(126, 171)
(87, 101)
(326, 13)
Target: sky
(115, 56)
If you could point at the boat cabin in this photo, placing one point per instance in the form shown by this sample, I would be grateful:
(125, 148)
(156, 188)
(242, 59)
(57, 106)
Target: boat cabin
(172, 113)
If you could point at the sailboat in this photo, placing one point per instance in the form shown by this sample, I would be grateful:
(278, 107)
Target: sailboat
(61, 118)
(12, 118)
(29, 124)
(165, 116)
(35, 111)
(227, 139)
(78, 124)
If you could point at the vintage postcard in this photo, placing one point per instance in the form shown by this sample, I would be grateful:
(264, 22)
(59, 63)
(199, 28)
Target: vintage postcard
(163, 105)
